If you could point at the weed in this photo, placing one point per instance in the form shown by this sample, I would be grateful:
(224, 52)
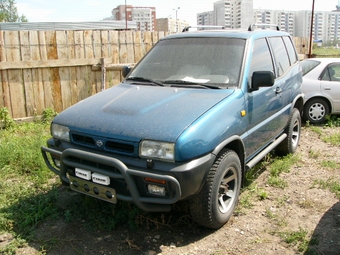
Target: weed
(333, 139)
(332, 121)
(47, 115)
(298, 238)
(330, 164)
(316, 130)
(281, 165)
(332, 184)
(277, 182)
(314, 154)
(5, 118)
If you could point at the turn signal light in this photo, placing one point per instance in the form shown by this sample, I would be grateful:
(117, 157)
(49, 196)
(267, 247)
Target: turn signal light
(148, 179)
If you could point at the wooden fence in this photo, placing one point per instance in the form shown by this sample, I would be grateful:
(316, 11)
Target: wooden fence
(56, 69)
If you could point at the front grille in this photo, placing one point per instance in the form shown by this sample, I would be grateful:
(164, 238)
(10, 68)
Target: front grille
(119, 147)
(84, 140)
(100, 143)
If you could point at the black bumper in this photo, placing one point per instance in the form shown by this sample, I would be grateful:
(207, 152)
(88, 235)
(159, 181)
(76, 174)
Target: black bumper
(183, 180)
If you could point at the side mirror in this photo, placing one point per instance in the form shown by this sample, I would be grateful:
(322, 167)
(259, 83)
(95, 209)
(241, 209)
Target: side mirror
(261, 79)
(126, 70)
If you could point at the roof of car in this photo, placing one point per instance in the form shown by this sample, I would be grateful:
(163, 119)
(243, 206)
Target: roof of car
(244, 34)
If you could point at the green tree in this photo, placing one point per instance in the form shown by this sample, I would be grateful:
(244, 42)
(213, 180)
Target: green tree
(9, 12)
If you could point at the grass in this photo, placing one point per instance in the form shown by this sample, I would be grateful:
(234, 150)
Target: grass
(296, 238)
(281, 165)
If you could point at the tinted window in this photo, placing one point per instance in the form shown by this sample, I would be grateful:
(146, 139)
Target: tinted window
(262, 59)
(280, 54)
(331, 73)
(290, 49)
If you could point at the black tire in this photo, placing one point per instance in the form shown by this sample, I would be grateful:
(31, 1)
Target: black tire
(316, 110)
(215, 203)
(290, 144)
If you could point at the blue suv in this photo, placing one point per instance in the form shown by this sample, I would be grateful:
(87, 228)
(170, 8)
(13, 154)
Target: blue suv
(187, 122)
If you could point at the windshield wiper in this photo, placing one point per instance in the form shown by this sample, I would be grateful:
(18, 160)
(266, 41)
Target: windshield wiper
(192, 84)
(142, 79)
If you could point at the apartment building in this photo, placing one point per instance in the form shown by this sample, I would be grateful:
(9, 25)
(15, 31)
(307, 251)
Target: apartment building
(145, 17)
(285, 20)
(228, 13)
(171, 25)
(240, 13)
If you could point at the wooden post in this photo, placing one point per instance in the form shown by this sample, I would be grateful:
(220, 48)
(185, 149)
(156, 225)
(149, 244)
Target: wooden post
(102, 62)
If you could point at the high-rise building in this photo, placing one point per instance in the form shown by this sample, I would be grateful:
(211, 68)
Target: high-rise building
(145, 17)
(228, 13)
(285, 20)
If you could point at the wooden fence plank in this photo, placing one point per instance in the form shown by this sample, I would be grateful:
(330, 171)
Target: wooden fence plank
(89, 54)
(27, 74)
(62, 51)
(52, 53)
(72, 69)
(37, 82)
(137, 45)
(114, 39)
(81, 71)
(96, 41)
(3, 74)
(16, 88)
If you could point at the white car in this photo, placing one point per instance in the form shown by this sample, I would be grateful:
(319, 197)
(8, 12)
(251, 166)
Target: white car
(321, 86)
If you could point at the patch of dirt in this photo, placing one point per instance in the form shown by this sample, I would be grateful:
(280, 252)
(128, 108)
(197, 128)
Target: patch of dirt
(260, 229)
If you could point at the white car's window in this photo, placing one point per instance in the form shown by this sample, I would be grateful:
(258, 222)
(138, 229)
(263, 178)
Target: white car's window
(331, 73)
(308, 65)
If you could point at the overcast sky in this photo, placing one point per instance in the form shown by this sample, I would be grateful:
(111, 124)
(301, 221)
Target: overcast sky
(95, 10)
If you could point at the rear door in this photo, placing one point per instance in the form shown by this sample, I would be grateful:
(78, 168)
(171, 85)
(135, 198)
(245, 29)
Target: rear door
(330, 85)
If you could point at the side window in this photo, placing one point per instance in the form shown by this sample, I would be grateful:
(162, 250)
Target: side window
(280, 54)
(290, 49)
(261, 59)
(331, 73)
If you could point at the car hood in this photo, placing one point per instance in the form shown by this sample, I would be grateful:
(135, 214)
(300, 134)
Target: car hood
(131, 112)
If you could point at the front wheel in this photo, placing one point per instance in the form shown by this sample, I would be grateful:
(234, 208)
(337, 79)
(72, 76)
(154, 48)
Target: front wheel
(290, 144)
(215, 203)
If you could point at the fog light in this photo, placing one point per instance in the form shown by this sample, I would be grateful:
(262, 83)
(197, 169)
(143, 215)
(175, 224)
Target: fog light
(156, 190)
(56, 162)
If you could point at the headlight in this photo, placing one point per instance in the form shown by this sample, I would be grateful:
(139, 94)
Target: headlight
(157, 150)
(60, 132)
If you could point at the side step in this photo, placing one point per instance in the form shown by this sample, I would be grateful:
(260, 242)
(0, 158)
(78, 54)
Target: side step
(263, 153)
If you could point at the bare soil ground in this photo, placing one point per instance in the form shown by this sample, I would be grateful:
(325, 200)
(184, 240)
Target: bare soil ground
(302, 207)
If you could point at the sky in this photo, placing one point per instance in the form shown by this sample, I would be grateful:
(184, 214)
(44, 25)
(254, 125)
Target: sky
(96, 10)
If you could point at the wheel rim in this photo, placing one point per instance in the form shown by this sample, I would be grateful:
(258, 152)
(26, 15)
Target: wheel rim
(296, 133)
(227, 190)
(317, 111)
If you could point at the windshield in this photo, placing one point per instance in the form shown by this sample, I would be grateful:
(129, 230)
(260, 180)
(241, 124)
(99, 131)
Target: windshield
(190, 61)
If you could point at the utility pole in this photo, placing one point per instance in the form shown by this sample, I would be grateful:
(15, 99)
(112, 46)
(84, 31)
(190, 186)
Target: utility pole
(311, 32)
(176, 18)
(126, 26)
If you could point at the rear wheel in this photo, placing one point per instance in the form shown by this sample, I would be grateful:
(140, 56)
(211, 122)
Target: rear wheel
(290, 144)
(316, 110)
(215, 203)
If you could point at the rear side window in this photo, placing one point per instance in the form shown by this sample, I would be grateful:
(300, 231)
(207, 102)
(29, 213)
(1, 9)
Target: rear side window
(280, 55)
(331, 73)
(308, 65)
(262, 59)
(290, 49)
